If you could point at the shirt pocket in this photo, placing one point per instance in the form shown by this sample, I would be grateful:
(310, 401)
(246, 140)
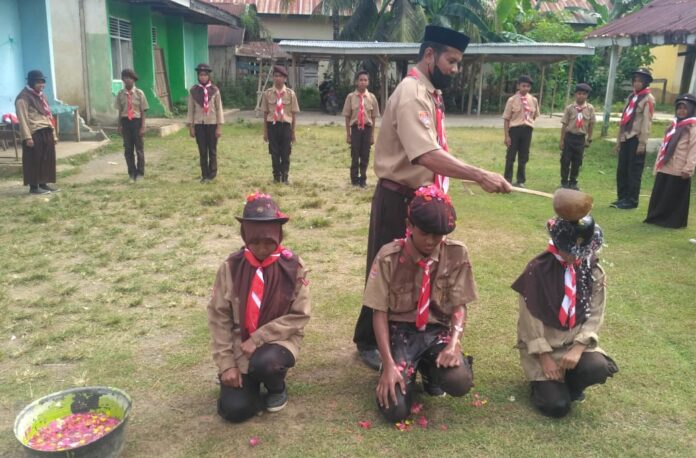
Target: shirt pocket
(402, 297)
(444, 286)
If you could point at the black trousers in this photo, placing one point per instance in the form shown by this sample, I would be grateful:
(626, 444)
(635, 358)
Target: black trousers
(132, 140)
(553, 398)
(280, 147)
(387, 222)
(629, 172)
(521, 137)
(268, 365)
(207, 149)
(571, 157)
(417, 351)
(39, 161)
(359, 153)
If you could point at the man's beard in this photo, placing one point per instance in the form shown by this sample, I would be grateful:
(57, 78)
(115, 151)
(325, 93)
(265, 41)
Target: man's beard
(440, 80)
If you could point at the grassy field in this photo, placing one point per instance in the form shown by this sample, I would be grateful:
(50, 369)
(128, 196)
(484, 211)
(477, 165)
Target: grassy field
(106, 283)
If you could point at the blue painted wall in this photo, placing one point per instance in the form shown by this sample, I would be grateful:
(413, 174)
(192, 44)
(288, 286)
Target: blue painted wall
(25, 44)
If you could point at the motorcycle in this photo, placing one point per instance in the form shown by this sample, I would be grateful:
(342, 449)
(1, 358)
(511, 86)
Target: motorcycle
(327, 97)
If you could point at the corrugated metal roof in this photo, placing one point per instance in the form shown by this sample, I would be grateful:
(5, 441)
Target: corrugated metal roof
(576, 15)
(261, 49)
(294, 7)
(660, 22)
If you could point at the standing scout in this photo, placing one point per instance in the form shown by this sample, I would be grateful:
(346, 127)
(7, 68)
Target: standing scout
(521, 110)
(279, 110)
(205, 119)
(131, 104)
(419, 287)
(634, 130)
(38, 133)
(360, 110)
(561, 308)
(411, 151)
(576, 134)
(257, 314)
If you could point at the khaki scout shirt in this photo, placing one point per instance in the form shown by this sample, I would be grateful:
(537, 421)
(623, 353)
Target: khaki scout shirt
(224, 322)
(290, 106)
(196, 115)
(31, 120)
(394, 282)
(570, 116)
(684, 157)
(642, 121)
(352, 106)
(408, 131)
(138, 100)
(514, 111)
(534, 337)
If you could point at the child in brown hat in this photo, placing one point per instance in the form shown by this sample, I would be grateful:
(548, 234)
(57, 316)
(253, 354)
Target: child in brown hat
(205, 118)
(418, 288)
(257, 314)
(131, 104)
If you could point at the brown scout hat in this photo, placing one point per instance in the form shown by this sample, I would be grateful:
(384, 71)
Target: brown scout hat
(261, 208)
(280, 69)
(431, 211)
(129, 73)
(203, 68)
(645, 72)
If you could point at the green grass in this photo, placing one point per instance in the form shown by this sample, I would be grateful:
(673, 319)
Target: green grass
(107, 283)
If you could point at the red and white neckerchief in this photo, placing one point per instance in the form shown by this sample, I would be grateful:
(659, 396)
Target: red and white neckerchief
(566, 314)
(424, 296)
(361, 110)
(129, 97)
(579, 119)
(44, 102)
(525, 105)
(253, 304)
(631, 107)
(279, 109)
(206, 105)
(441, 181)
(660, 162)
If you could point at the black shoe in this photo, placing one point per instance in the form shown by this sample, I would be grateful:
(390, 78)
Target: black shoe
(563, 185)
(277, 401)
(363, 184)
(518, 185)
(38, 191)
(371, 358)
(432, 389)
(574, 187)
(626, 205)
(577, 397)
(615, 203)
(48, 188)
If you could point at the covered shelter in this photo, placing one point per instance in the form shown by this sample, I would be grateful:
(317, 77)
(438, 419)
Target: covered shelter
(540, 53)
(661, 22)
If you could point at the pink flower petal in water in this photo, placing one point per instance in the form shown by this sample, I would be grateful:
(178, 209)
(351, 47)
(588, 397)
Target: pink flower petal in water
(254, 441)
(365, 424)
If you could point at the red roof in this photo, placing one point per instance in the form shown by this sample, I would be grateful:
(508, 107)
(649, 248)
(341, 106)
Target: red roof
(294, 7)
(261, 49)
(577, 16)
(673, 19)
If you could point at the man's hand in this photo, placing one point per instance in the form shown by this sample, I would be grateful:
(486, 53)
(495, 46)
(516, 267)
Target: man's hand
(508, 141)
(562, 144)
(617, 147)
(572, 356)
(641, 149)
(292, 138)
(550, 368)
(231, 377)
(248, 348)
(142, 131)
(450, 356)
(30, 142)
(494, 182)
(372, 138)
(120, 129)
(386, 387)
(192, 131)
(218, 132)
(265, 137)
(348, 138)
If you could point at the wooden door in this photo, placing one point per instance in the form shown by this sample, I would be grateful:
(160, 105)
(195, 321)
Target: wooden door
(161, 80)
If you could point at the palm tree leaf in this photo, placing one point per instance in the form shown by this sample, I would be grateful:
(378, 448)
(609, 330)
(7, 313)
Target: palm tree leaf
(405, 22)
(361, 24)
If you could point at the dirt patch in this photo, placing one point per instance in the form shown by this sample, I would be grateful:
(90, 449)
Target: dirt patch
(110, 166)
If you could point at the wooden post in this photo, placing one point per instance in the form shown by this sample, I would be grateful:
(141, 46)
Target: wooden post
(293, 73)
(611, 79)
(541, 88)
(692, 84)
(571, 64)
(77, 125)
(383, 69)
(472, 85)
(480, 89)
(463, 92)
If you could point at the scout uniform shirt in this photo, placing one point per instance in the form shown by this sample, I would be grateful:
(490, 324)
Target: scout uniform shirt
(684, 157)
(224, 322)
(570, 116)
(31, 120)
(408, 131)
(534, 337)
(352, 106)
(394, 282)
(196, 115)
(138, 101)
(642, 121)
(514, 110)
(290, 105)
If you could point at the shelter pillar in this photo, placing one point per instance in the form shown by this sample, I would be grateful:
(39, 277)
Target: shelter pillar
(480, 87)
(571, 64)
(611, 79)
(383, 70)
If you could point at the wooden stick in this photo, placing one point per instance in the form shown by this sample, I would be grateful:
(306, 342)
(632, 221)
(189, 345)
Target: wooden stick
(522, 190)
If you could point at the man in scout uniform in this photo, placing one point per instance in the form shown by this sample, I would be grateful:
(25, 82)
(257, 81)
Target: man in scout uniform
(576, 134)
(562, 295)
(634, 130)
(419, 288)
(257, 314)
(360, 110)
(521, 110)
(411, 151)
(279, 110)
(205, 119)
(131, 104)
(38, 134)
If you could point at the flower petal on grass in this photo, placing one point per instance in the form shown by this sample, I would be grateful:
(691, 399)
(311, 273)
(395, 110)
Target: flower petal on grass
(423, 422)
(366, 424)
(416, 408)
(254, 441)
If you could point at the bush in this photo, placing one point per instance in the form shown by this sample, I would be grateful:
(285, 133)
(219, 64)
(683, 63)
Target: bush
(240, 94)
(308, 98)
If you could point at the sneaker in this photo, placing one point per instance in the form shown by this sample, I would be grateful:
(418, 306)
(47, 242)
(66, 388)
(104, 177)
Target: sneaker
(371, 358)
(277, 401)
(519, 185)
(38, 191)
(615, 203)
(48, 188)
